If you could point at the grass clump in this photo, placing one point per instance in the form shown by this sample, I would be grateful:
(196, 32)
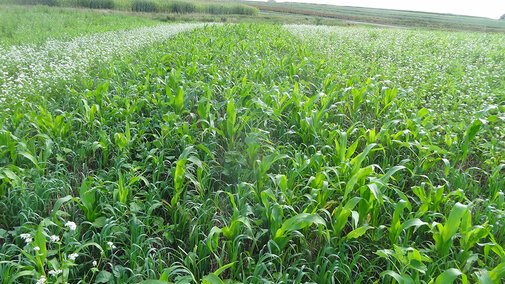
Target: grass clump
(180, 7)
(96, 4)
(144, 6)
(39, 2)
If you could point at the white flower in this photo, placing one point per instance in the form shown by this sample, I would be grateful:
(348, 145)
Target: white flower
(25, 236)
(71, 225)
(73, 256)
(111, 245)
(55, 272)
(36, 248)
(54, 238)
(42, 280)
(94, 263)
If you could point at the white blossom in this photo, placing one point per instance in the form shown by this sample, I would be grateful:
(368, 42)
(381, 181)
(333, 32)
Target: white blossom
(73, 256)
(36, 248)
(41, 280)
(32, 69)
(55, 272)
(111, 245)
(71, 225)
(25, 236)
(94, 263)
(54, 238)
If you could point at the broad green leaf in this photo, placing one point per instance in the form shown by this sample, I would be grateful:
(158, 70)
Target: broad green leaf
(104, 277)
(179, 100)
(452, 224)
(299, 222)
(448, 276)
(416, 222)
(361, 174)
(212, 279)
(498, 273)
(356, 233)
(402, 279)
(29, 157)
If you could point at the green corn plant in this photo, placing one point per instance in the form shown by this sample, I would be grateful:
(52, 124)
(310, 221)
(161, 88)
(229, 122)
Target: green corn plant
(297, 222)
(213, 278)
(88, 201)
(449, 276)
(469, 136)
(124, 186)
(430, 199)
(231, 117)
(397, 226)
(184, 170)
(444, 234)
(340, 215)
(410, 262)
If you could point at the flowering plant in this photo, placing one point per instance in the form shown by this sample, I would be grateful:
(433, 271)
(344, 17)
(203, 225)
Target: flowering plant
(53, 255)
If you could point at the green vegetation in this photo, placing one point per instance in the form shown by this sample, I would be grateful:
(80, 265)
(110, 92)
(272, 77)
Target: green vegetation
(18, 27)
(254, 154)
(383, 16)
(165, 6)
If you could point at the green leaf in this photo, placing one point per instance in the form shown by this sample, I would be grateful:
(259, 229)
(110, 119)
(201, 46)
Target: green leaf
(30, 157)
(452, 224)
(416, 222)
(448, 276)
(153, 282)
(223, 268)
(104, 277)
(362, 173)
(179, 100)
(498, 272)
(299, 222)
(402, 279)
(40, 241)
(212, 279)
(212, 238)
(484, 277)
(356, 233)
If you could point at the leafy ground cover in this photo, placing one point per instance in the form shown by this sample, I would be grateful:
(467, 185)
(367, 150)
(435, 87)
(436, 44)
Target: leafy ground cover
(256, 154)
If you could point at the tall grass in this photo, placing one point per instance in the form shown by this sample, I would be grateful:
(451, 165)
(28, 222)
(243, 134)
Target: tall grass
(170, 6)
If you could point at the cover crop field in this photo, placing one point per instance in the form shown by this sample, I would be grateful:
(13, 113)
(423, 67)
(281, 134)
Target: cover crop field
(194, 153)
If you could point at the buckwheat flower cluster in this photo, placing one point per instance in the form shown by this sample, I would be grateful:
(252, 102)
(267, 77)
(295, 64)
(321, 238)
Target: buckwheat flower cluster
(26, 237)
(31, 69)
(71, 225)
(55, 272)
(54, 238)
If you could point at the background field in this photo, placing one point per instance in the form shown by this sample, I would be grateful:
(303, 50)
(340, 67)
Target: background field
(384, 16)
(134, 151)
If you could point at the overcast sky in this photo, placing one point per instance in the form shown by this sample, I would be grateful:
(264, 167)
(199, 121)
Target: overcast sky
(484, 8)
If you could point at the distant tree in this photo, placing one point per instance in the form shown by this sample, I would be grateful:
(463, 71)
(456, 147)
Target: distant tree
(502, 17)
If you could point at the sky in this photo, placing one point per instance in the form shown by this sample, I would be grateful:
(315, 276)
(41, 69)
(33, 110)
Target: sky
(483, 8)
